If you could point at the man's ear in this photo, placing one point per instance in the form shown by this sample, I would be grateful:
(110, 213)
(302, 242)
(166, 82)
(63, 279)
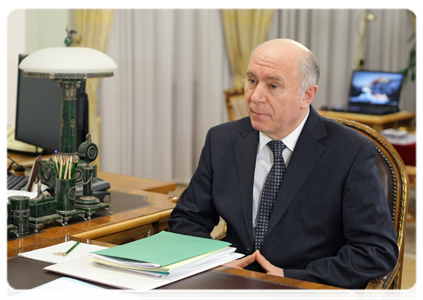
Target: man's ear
(308, 96)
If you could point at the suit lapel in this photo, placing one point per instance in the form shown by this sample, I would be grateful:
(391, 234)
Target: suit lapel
(245, 153)
(307, 152)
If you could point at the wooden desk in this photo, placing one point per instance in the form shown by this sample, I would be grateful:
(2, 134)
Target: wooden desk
(125, 183)
(23, 159)
(117, 228)
(24, 273)
(329, 292)
(378, 123)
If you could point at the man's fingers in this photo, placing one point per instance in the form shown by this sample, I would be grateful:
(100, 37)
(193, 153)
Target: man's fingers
(243, 262)
(248, 260)
(267, 266)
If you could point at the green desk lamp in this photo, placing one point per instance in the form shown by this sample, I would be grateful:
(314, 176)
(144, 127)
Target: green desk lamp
(69, 66)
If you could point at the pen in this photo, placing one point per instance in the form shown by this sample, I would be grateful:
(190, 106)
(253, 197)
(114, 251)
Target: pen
(67, 252)
(73, 247)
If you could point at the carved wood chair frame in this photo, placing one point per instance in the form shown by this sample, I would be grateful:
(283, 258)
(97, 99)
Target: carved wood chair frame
(398, 202)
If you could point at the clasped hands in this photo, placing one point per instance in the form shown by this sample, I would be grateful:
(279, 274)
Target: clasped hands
(256, 256)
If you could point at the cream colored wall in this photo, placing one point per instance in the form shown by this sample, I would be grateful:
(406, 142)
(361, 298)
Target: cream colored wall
(28, 31)
(46, 28)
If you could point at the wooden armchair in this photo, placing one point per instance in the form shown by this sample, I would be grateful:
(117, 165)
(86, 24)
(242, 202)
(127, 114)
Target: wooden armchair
(235, 104)
(395, 183)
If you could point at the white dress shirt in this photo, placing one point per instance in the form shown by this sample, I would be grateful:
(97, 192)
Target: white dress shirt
(264, 162)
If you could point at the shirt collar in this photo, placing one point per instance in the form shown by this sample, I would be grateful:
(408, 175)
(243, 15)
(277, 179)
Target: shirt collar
(290, 140)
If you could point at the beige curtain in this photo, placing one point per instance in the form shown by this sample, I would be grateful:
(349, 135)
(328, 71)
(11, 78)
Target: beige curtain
(93, 27)
(416, 22)
(244, 30)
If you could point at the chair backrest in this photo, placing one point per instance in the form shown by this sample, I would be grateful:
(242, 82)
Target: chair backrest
(235, 104)
(395, 183)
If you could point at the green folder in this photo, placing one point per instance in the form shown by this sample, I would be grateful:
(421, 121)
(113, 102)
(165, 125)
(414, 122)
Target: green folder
(164, 248)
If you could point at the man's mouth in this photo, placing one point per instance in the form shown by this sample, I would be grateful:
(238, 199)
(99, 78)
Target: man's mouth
(258, 114)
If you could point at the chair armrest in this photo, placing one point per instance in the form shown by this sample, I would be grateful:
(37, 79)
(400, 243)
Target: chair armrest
(377, 288)
(222, 234)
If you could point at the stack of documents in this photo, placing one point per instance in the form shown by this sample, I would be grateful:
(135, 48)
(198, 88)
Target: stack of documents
(163, 254)
(165, 257)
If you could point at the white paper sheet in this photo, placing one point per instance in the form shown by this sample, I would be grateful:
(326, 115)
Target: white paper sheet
(84, 268)
(65, 287)
(46, 254)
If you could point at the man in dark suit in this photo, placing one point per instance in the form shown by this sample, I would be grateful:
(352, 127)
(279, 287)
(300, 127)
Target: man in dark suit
(330, 222)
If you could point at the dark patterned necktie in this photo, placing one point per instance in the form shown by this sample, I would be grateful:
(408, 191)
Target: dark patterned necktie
(270, 191)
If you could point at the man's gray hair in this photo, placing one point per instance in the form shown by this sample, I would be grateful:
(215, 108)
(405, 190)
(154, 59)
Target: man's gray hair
(309, 69)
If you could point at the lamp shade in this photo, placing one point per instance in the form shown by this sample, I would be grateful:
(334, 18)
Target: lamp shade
(72, 62)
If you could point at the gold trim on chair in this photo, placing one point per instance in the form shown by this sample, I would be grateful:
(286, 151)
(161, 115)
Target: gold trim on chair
(235, 104)
(400, 198)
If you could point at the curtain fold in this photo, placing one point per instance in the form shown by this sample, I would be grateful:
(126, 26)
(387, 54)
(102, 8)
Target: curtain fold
(93, 27)
(166, 93)
(244, 30)
(416, 22)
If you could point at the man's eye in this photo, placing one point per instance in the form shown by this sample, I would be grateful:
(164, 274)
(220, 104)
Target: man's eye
(273, 86)
(252, 81)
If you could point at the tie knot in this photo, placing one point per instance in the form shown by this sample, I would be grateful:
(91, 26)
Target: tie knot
(277, 147)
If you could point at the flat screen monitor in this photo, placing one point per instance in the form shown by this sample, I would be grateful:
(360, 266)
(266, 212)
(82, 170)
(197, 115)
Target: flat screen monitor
(39, 112)
(376, 87)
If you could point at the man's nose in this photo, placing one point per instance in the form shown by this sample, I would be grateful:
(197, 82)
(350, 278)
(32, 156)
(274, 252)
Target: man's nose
(258, 94)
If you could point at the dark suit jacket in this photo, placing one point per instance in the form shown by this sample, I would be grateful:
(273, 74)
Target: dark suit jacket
(331, 222)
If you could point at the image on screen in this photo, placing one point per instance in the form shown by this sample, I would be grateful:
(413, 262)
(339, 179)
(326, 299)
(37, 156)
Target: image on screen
(379, 88)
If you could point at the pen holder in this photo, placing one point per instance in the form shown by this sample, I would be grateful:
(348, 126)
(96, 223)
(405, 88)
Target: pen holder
(19, 206)
(65, 194)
